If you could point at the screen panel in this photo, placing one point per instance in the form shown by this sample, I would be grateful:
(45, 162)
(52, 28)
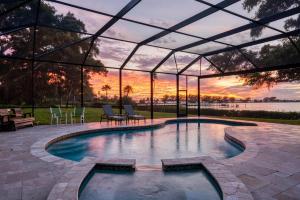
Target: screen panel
(57, 85)
(17, 44)
(48, 39)
(192, 95)
(165, 13)
(231, 61)
(15, 81)
(6, 5)
(103, 87)
(259, 9)
(74, 54)
(130, 31)
(106, 6)
(70, 18)
(182, 60)
(207, 47)
(287, 23)
(248, 36)
(277, 52)
(146, 58)
(23, 15)
(174, 40)
(202, 67)
(164, 95)
(111, 53)
(136, 91)
(214, 24)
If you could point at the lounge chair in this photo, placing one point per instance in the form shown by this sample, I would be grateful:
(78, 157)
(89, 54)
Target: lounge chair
(78, 113)
(110, 115)
(131, 114)
(57, 115)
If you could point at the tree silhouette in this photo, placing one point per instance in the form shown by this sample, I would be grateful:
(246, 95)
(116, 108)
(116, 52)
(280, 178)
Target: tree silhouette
(280, 53)
(127, 90)
(106, 88)
(53, 82)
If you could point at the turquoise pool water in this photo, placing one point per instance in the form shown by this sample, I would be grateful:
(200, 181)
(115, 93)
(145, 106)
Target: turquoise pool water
(149, 146)
(150, 185)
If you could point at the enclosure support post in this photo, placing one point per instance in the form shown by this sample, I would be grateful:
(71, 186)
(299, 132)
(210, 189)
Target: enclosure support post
(177, 95)
(33, 56)
(151, 94)
(81, 86)
(120, 92)
(32, 88)
(198, 92)
(186, 97)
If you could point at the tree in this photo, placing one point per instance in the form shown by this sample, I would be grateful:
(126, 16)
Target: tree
(269, 55)
(267, 8)
(106, 88)
(165, 98)
(127, 90)
(53, 83)
(232, 99)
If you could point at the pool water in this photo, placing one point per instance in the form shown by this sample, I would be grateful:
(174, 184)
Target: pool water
(149, 146)
(150, 185)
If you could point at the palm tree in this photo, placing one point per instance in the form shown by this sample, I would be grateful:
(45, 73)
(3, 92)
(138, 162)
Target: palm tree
(127, 90)
(106, 88)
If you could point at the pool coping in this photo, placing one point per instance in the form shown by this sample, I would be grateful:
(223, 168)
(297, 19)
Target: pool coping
(38, 149)
(230, 185)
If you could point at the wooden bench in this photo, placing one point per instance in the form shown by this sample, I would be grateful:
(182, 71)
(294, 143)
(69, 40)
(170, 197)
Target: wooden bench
(15, 120)
(22, 122)
(20, 119)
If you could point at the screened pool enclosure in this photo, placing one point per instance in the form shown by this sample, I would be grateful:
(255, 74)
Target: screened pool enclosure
(51, 48)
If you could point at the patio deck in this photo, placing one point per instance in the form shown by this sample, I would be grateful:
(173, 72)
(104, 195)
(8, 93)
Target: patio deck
(270, 171)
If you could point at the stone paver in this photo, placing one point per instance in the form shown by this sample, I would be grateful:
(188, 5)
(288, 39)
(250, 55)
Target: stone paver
(269, 167)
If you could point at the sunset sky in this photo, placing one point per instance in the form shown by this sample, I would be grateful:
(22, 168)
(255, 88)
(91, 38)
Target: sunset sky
(165, 14)
(166, 84)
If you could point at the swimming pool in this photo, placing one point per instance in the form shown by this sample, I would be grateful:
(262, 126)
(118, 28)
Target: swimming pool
(150, 145)
(150, 185)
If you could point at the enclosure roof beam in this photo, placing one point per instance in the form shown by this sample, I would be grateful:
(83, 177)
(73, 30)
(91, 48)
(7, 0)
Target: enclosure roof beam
(110, 23)
(125, 19)
(254, 21)
(266, 20)
(189, 65)
(273, 68)
(107, 37)
(7, 31)
(250, 71)
(191, 20)
(79, 64)
(255, 42)
(118, 16)
(184, 23)
(241, 16)
(63, 47)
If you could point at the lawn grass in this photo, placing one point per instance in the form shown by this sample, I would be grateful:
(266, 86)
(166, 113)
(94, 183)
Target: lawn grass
(42, 116)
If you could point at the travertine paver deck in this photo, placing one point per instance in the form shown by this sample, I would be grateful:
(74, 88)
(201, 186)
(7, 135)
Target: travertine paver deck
(273, 173)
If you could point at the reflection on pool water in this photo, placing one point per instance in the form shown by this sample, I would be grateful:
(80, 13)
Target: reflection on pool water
(150, 185)
(149, 146)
